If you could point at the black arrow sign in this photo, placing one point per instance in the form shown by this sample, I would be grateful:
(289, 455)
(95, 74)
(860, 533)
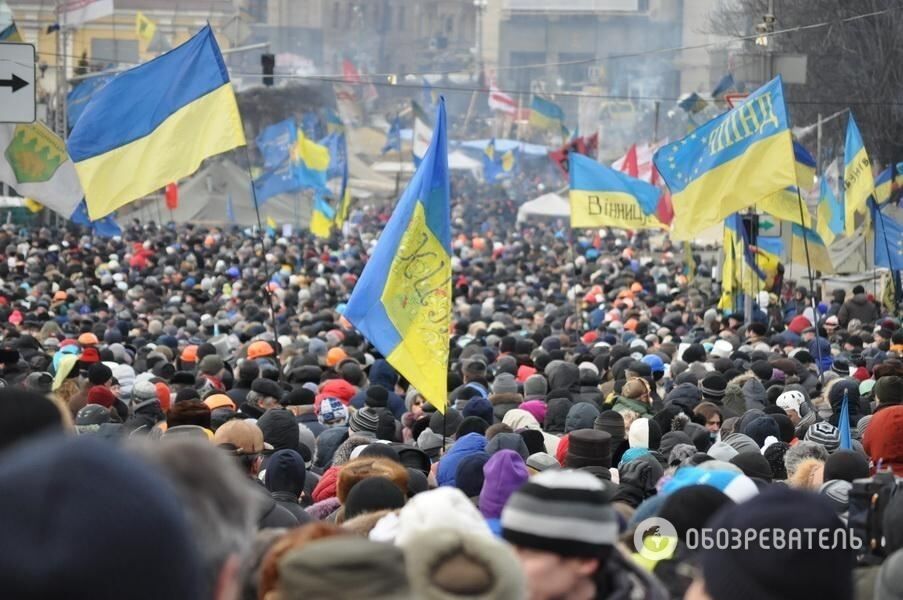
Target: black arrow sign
(15, 82)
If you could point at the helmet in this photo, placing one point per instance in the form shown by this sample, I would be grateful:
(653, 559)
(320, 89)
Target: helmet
(88, 339)
(190, 354)
(92, 414)
(259, 349)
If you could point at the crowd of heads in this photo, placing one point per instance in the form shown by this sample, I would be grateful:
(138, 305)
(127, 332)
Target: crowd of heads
(189, 404)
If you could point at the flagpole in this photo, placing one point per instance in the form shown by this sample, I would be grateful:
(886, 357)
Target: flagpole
(809, 271)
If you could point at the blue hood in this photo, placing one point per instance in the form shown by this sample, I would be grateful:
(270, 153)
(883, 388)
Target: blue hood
(448, 464)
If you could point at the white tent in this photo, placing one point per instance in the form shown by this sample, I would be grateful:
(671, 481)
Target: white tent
(458, 161)
(547, 205)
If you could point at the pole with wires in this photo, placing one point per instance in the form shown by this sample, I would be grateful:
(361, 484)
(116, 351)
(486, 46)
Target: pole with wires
(809, 273)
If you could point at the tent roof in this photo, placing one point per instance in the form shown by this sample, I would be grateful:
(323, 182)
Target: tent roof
(547, 205)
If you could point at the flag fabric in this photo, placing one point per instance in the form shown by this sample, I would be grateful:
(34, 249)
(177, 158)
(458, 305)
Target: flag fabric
(818, 252)
(545, 114)
(393, 137)
(639, 157)
(843, 424)
(104, 227)
(73, 13)
(497, 166)
(8, 30)
(499, 100)
(276, 142)
(858, 182)
(230, 208)
(334, 122)
(145, 28)
(888, 241)
(805, 166)
(733, 161)
(310, 124)
(887, 182)
(603, 197)
(829, 213)
(322, 217)
(422, 132)
(311, 162)
(32, 205)
(172, 196)
(338, 154)
(272, 182)
(33, 161)
(344, 207)
(81, 94)
(744, 269)
(154, 124)
(402, 301)
(724, 86)
(692, 103)
(587, 146)
(785, 205)
(271, 225)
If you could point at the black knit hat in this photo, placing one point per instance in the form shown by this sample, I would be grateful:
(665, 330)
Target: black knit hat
(372, 494)
(748, 573)
(377, 397)
(612, 423)
(99, 374)
(754, 464)
(588, 448)
(846, 465)
(713, 385)
(774, 454)
(562, 512)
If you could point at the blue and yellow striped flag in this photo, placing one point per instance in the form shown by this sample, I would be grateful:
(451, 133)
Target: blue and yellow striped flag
(545, 114)
(322, 217)
(402, 302)
(733, 161)
(341, 214)
(829, 213)
(785, 205)
(155, 124)
(887, 181)
(311, 162)
(603, 197)
(334, 122)
(818, 252)
(858, 181)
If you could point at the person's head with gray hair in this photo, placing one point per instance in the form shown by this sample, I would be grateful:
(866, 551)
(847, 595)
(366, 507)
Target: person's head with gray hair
(219, 502)
(801, 452)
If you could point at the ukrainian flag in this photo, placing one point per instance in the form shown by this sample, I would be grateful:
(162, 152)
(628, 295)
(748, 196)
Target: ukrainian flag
(735, 160)
(858, 181)
(886, 183)
(603, 197)
(155, 124)
(805, 166)
(322, 218)
(311, 162)
(545, 114)
(818, 252)
(344, 199)
(785, 205)
(402, 301)
(334, 122)
(829, 214)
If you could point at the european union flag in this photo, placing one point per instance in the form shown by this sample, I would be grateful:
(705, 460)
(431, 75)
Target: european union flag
(729, 163)
(275, 143)
(273, 182)
(402, 301)
(338, 154)
(603, 197)
(334, 122)
(105, 227)
(393, 137)
(310, 123)
(888, 241)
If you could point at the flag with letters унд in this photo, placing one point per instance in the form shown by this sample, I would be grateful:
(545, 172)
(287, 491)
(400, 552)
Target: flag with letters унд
(858, 181)
(154, 124)
(603, 197)
(729, 163)
(402, 301)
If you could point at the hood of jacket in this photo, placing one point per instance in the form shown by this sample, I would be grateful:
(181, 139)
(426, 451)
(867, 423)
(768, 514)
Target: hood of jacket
(565, 376)
(327, 443)
(285, 472)
(382, 373)
(465, 446)
(581, 416)
(556, 415)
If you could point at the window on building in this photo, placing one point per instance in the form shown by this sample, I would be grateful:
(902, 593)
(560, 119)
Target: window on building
(105, 50)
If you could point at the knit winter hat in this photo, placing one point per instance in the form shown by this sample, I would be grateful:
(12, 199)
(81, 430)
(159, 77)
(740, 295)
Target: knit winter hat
(536, 385)
(753, 465)
(450, 420)
(581, 415)
(713, 386)
(364, 420)
(377, 397)
(742, 443)
(332, 412)
(825, 434)
(612, 423)
(373, 494)
(774, 454)
(588, 448)
(537, 408)
(847, 465)
(507, 441)
(644, 433)
(562, 512)
(503, 474)
(469, 474)
(748, 573)
(99, 374)
(478, 406)
(761, 428)
(504, 383)
(101, 395)
(721, 450)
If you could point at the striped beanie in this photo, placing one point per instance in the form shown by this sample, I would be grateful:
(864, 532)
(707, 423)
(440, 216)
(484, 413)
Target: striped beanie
(562, 512)
(825, 434)
(364, 420)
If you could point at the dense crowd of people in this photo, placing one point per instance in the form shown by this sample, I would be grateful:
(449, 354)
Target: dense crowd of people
(186, 414)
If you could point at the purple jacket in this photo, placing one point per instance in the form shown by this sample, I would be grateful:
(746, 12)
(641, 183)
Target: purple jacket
(503, 474)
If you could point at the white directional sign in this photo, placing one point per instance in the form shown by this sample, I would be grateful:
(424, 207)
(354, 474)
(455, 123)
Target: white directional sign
(17, 90)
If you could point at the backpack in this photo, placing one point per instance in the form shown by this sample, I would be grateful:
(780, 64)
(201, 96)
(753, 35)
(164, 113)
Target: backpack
(869, 498)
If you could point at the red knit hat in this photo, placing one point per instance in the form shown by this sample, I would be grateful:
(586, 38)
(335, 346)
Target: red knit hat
(101, 395)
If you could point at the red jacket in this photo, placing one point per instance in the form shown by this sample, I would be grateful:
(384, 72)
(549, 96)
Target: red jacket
(883, 439)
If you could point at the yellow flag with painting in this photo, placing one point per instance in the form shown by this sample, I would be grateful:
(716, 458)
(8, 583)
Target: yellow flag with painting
(145, 28)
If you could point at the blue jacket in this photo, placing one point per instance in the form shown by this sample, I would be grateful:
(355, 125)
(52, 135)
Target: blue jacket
(448, 464)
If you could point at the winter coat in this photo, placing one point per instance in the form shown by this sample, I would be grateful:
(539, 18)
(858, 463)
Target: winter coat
(467, 445)
(327, 443)
(743, 393)
(858, 307)
(309, 420)
(622, 404)
(271, 514)
(556, 415)
(581, 416)
(565, 376)
(502, 403)
(686, 396)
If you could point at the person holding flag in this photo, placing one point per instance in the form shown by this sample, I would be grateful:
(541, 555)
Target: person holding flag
(402, 301)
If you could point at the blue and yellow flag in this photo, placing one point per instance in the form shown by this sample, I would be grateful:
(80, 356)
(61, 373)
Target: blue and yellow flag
(393, 137)
(497, 167)
(106, 227)
(805, 166)
(402, 301)
(311, 162)
(887, 181)
(341, 214)
(888, 240)
(275, 143)
(858, 181)
(322, 218)
(155, 124)
(603, 197)
(692, 103)
(545, 114)
(829, 214)
(337, 146)
(785, 205)
(334, 122)
(271, 225)
(724, 86)
(818, 252)
(733, 161)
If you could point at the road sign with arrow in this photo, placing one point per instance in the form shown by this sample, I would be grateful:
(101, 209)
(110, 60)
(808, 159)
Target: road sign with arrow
(17, 89)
